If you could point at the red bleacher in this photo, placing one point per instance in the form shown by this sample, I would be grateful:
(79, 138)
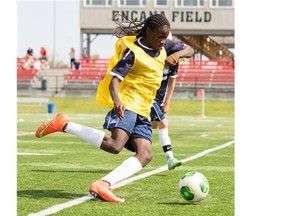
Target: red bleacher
(189, 72)
(24, 74)
(90, 70)
(206, 71)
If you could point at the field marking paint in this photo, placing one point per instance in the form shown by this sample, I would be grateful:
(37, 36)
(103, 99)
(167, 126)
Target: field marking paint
(25, 133)
(164, 168)
(59, 207)
(36, 154)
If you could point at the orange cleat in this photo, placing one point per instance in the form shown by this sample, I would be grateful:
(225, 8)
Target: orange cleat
(54, 125)
(101, 190)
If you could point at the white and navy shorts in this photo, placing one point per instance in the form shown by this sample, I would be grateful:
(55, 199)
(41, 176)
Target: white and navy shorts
(156, 113)
(135, 125)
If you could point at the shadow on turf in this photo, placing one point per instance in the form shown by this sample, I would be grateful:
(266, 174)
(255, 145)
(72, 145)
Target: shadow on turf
(36, 194)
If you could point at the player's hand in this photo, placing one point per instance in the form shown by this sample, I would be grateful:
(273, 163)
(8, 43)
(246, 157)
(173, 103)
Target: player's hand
(119, 109)
(170, 61)
(165, 108)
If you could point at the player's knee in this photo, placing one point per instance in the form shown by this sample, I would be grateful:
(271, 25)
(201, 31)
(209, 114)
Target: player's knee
(154, 124)
(149, 158)
(145, 157)
(113, 147)
(163, 124)
(116, 149)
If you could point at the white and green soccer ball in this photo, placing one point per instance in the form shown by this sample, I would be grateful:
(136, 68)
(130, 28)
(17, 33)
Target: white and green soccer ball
(194, 186)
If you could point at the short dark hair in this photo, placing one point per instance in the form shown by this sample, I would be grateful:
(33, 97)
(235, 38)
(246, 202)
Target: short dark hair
(30, 51)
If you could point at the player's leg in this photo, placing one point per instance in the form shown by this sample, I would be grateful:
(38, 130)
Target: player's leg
(129, 167)
(158, 116)
(101, 188)
(93, 136)
(165, 141)
(126, 169)
(155, 124)
(140, 142)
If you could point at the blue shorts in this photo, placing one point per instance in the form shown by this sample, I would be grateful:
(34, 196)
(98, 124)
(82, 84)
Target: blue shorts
(156, 113)
(135, 126)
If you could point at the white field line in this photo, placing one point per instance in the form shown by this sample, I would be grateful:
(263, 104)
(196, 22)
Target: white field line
(19, 133)
(59, 207)
(36, 154)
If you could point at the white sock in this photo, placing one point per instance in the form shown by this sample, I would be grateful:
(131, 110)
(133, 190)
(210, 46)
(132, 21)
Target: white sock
(166, 143)
(128, 168)
(88, 134)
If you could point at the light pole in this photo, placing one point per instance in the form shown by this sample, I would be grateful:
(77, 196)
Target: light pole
(54, 32)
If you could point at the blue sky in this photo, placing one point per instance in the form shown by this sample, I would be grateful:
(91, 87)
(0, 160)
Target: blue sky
(35, 28)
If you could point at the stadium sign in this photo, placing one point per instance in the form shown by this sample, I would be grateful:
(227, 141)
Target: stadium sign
(176, 16)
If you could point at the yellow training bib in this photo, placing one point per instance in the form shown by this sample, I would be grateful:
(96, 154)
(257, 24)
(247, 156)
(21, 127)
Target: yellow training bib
(138, 89)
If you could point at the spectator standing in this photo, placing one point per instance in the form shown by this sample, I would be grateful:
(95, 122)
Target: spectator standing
(72, 57)
(43, 54)
(43, 58)
(85, 56)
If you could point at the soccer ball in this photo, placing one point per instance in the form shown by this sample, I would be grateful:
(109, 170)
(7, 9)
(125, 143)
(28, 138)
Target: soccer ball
(194, 186)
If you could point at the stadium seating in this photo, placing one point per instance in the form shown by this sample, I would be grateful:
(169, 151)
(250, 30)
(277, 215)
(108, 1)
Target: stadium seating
(24, 76)
(85, 79)
(91, 71)
(205, 72)
(216, 76)
(190, 71)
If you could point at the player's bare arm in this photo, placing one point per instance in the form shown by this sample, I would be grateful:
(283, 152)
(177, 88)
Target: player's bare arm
(170, 87)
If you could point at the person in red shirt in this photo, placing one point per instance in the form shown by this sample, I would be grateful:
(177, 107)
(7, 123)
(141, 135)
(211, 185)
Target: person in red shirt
(43, 58)
(43, 54)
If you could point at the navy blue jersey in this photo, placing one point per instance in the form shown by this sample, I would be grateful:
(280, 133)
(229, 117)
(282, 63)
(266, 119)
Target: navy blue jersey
(124, 65)
(122, 68)
(169, 72)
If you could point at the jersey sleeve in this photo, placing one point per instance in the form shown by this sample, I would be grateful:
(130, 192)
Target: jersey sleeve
(173, 46)
(124, 65)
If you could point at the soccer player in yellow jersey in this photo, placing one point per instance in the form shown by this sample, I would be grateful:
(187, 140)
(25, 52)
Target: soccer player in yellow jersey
(134, 75)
